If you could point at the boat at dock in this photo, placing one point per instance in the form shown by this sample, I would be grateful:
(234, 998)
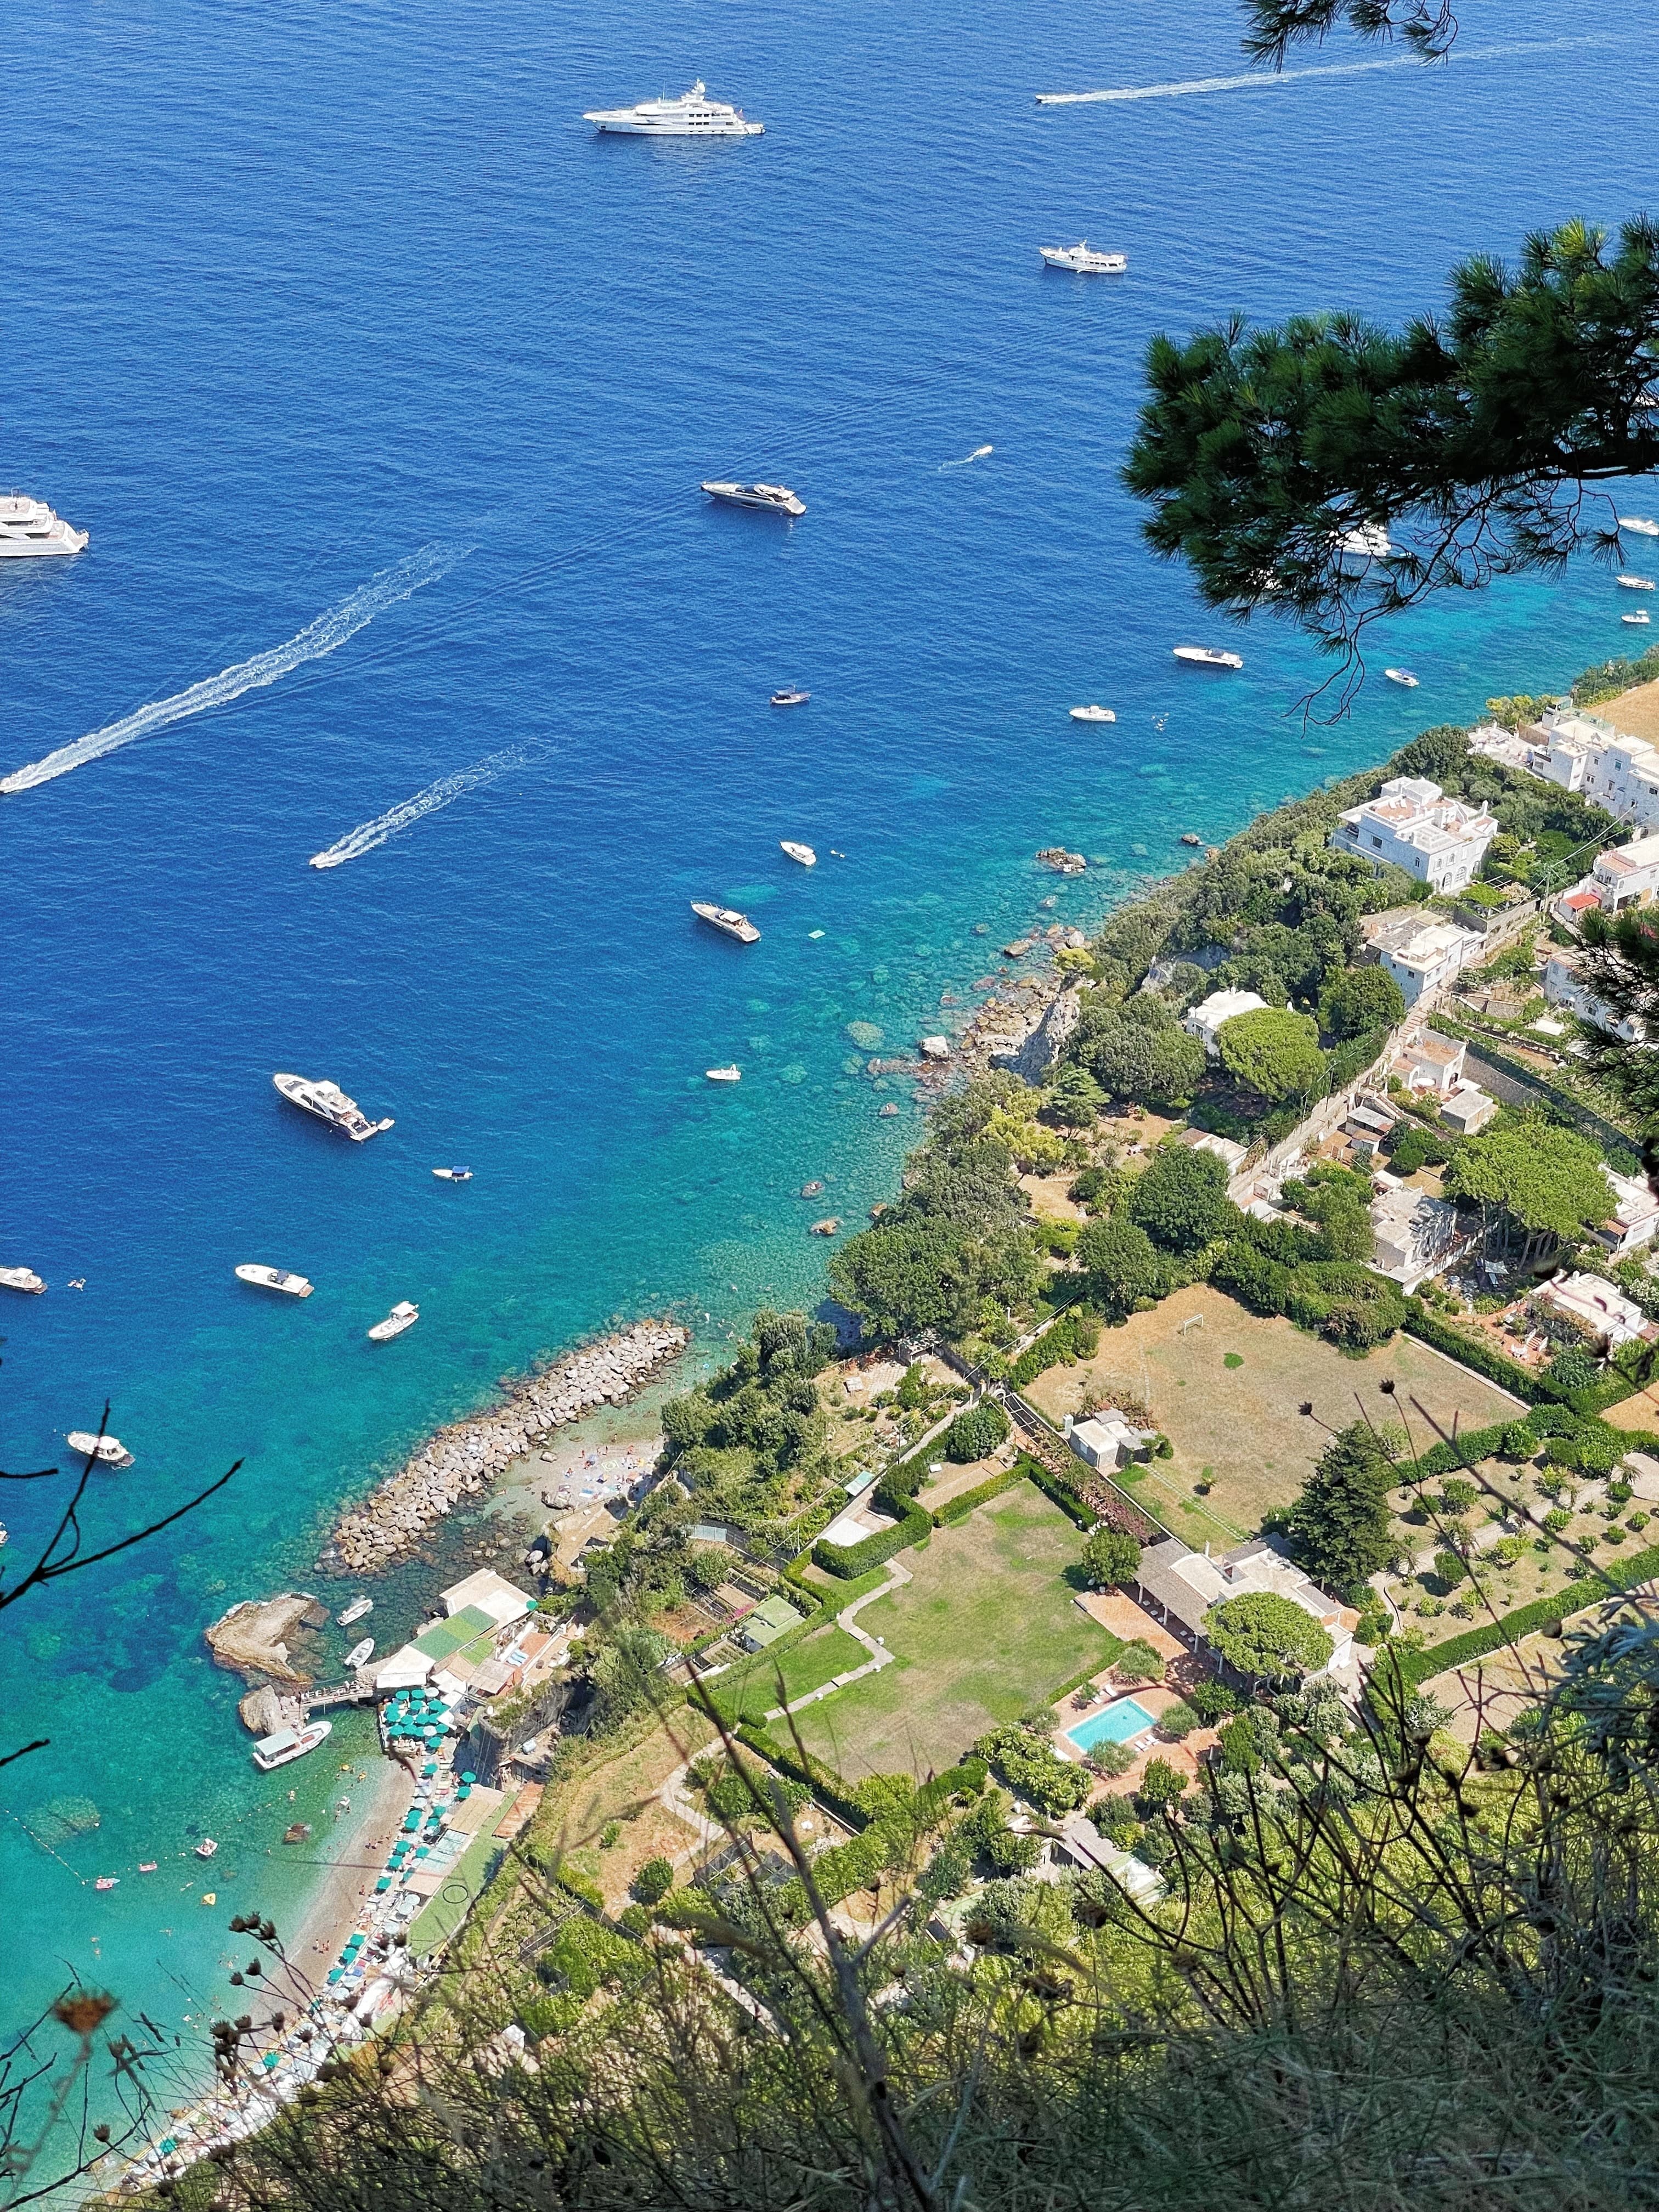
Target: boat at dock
(1401, 675)
(789, 697)
(28, 526)
(330, 1104)
(734, 1074)
(1084, 259)
(1634, 583)
(1092, 714)
(359, 1653)
(21, 1278)
(109, 1449)
(273, 1278)
(1207, 656)
(803, 853)
(453, 1175)
(776, 498)
(359, 1609)
(693, 115)
(728, 920)
(283, 1746)
(403, 1316)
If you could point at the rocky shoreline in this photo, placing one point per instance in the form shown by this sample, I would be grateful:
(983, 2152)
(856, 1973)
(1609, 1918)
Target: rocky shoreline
(464, 1458)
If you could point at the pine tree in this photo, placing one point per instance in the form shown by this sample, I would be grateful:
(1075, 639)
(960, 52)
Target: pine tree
(1340, 1523)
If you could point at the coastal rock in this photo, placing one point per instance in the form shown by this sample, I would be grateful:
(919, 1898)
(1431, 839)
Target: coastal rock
(252, 1639)
(1031, 1049)
(461, 1461)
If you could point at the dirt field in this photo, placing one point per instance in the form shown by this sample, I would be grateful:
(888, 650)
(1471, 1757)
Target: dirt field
(1238, 1426)
(988, 1628)
(625, 1790)
(1635, 712)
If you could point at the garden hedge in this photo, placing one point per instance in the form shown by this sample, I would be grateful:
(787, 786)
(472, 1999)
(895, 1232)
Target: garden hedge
(826, 1785)
(848, 1561)
(960, 1508)
(1417, 1667)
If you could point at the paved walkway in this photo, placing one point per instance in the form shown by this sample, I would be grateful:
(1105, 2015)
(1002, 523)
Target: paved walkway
(879, 1655)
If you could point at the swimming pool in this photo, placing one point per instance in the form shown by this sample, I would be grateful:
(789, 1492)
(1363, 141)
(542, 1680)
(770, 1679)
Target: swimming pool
(1114, 1724)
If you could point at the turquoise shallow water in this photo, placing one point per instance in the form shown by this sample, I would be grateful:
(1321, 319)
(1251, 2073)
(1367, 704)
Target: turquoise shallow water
(309, 291)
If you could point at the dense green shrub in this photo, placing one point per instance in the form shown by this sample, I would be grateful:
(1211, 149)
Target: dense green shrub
(1030, 1765)
(975, 1432)
(1109, 1559)
(1180, 1200)
(654, 1881)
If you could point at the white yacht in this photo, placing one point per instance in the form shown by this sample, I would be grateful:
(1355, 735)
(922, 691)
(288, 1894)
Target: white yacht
(1634, 583)
(803, 853)
(29, 526)
(693, 115)
(1087, 260)
(732, 1074)
(777, 499)
(1093, 714)
(1369, 542)
(330, 1104)
(1636, 620)
(1207, 656)
(403, 1316)
(359, 1653)
(288, 1744)
(21, 1278)
(728, 920)
(110, 1451)
(273, 1278)
(1643, 524)
(1401, 675)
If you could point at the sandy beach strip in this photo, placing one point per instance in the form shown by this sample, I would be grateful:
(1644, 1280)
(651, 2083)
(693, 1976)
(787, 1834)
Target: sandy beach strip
(348, 1858)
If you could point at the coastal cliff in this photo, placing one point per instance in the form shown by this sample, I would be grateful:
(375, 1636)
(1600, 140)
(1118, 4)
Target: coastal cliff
(464, 1459)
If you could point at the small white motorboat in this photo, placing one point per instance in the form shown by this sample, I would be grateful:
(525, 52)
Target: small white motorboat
(1634, 583)
(360, 1652)
(1643, 524)
(791, 695)
(803, 853)
(1369, 542)
(1636, 620)
(273, 1278)
(1401, 675)
(403, 1316)
(1207, 656)
(21, 1278)
(359, 1609)
(1092, 714)
(453, 1175)
(206, 1847)
(283, 1746)
(723, 1074)
(1084, 259)
(109, 1449)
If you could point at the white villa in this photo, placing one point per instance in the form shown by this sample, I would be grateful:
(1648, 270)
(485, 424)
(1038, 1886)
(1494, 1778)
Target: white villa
(1180, 1585)
(1414, 825)
(1423, 952)
(1563, 987)
(1205, 1021)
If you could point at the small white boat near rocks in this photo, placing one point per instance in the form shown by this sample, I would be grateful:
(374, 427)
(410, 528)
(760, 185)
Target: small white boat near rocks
(110, 1451)
(1092, 714)
(21, 1278)
(403, 1316)
(273, 1278)
(359, 1609)
(803, 853)
(359, 1653)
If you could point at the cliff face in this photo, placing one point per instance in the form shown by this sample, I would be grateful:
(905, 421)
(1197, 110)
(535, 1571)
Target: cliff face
(1031, 1051)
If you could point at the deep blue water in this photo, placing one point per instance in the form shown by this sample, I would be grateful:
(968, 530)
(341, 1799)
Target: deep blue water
(295, 294)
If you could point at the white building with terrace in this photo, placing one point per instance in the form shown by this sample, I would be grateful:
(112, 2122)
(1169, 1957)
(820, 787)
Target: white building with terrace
(1411, 824)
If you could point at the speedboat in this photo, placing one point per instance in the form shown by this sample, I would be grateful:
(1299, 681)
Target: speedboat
(1634, 583)
(453, 1175)
(1641, 524)
(273, 1278)
(329, 1104)
(777, 499)
(723, 1074)
(803, 853)
(726, 920)
(360, 1652)
(1093, 714)
(403, 1316)
(206, 1847)
(283, 1746)
(1369, 541)
(109, 1449)
(1636, 620)
(789, 697)
(29, 526)
(1207, 656)
(1085, 259)
(1401, 675)
(21, 1278)
(693, 115)
(359, 1609)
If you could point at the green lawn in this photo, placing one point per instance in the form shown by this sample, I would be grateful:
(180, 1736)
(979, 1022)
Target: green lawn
(805, 1666)
(987, 1628)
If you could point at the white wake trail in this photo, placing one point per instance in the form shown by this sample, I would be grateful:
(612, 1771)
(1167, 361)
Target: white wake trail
(978, 454)
(1267, 81)
(368, 835)
(324, 635)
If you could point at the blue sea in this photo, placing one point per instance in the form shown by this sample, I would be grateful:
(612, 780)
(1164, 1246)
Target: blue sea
(378, 377)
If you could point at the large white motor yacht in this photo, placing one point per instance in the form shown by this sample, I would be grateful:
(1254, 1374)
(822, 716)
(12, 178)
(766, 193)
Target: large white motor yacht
(29, 525)
(330, 1104)
(1634, 583)
(109, 1449)
(693, 115)
(728, 919)
(1207, 656)
(1643, 524)
(777, 497)
(273, 1278)
(21, 1278)
(1087, 260)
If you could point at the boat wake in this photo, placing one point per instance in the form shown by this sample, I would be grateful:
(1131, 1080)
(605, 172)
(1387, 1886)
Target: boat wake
(1261, 81)
(327, 634)
(978, 454)
(368, 835)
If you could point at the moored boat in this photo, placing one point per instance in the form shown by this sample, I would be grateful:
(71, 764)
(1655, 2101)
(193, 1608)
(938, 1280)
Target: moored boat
(1636, 620)
(803, 853)
(403, 1316)
(283, 1746)
(775, 499)
(1084, 259)
(728, 920)
(693, 115)
(107, 1881)
(789, 697)
(359, 1609)
(206, 1847)
(1092, 714)
(1643, 524)
(1207, 656)
(360, 1652)
(453, 1175)
(28, 526)
(110, 1449)
(1401, 675)
(273, 1278)
(732, 1074)
(330, 1104)
(1628, 583)
(21, 1278)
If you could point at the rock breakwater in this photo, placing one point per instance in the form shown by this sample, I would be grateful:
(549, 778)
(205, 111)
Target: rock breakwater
(464, 1458)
